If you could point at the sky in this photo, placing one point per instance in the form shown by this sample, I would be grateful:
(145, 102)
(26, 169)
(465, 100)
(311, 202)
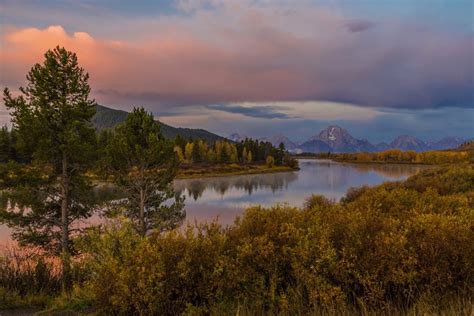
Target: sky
(379, 68)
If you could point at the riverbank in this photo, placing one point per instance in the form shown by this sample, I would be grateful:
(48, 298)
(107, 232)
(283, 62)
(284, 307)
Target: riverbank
(379, 162)
(396, 156)
(224, 170)
(376, 162)
(214, 171)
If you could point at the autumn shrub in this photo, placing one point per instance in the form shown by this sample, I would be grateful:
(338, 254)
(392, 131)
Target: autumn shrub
(446, 180)
(318, 201)
(274, 253)
(394, 247)
(116, 259)
(399, 156)
(270, 162)
(156, 274)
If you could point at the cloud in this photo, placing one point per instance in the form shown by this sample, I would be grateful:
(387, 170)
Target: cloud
(268, 112)
(428, 124)
(224, 52)
(355, 26)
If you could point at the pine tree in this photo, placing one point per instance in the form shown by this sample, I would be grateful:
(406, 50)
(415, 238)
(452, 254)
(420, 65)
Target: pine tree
(52, 121)
(13, 147)
(5, 145)
(196, 154)
(144, 165)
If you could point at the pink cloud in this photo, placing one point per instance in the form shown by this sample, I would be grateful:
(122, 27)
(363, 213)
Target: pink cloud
(246, 53)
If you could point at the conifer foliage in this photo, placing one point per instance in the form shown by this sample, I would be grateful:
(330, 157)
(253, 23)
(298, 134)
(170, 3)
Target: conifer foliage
(51, 118)
(144, 164)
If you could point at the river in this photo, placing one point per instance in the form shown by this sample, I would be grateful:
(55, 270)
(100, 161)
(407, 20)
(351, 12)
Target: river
(226, 197)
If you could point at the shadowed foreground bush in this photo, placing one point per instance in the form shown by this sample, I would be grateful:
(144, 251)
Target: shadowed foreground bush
(30, 279)
(26, 279)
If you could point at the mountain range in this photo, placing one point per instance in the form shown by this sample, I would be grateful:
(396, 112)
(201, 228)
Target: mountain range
(337, 139)
(331, 139)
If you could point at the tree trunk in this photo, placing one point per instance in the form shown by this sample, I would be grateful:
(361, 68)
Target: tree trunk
(142, 212)
(65, 253)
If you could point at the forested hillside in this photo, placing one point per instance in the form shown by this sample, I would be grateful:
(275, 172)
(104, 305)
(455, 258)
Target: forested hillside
(108, 118)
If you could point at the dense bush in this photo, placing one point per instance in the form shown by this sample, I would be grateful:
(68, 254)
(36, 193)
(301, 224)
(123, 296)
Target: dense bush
(381, 248)
(455, 179)
(156, 275)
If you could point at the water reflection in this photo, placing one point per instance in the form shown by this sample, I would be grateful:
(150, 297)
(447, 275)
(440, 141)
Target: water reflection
(395, 171)
(225, 198)
(195, 188)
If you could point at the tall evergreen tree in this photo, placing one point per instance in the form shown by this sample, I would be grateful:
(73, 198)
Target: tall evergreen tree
(196, 153)
(5, 145)
(144, 165)
(52, 121)
(13, 147)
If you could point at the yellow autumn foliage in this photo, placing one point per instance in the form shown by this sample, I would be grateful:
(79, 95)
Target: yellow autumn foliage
(379, 248)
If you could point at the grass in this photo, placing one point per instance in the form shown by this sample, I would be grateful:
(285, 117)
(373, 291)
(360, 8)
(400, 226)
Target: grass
(458, 306)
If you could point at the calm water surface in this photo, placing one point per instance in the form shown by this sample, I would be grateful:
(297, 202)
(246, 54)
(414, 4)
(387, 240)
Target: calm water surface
(226, 197)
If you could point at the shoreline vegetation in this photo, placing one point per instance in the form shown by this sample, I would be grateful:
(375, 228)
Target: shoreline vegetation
(208, 171)
(212, 171)
(397, 156)
(215, 171)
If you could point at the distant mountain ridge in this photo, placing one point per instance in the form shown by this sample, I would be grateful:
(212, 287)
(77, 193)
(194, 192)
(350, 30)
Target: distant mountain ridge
(276, 140)
(280, 138)
(337, 139)
(106, 117)
(406, 142)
